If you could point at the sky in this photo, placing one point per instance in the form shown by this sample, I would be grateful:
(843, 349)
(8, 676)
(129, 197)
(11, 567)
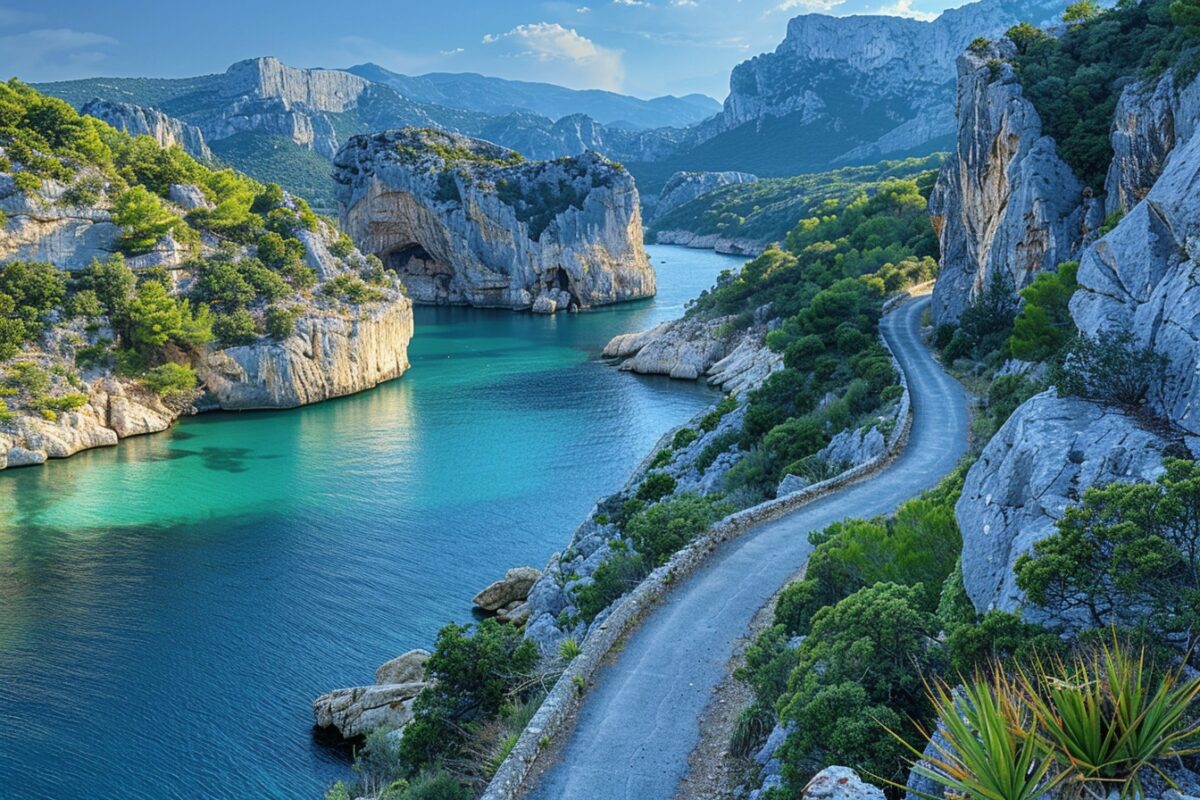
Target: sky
(644, 48)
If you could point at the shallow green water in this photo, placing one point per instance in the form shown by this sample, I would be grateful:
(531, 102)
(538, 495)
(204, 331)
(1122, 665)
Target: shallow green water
(169, 607)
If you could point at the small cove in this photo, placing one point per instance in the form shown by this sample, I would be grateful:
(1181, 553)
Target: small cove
(169, 607)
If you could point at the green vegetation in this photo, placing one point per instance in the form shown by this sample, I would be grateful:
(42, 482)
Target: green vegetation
(1128, 554)
(1073, 80)
(764, 211)
(1114, 368)
(1044, 324)
(1099, 723)
(430, 141)
(277, 159)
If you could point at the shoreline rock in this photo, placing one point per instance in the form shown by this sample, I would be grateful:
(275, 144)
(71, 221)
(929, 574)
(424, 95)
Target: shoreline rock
(467, 222)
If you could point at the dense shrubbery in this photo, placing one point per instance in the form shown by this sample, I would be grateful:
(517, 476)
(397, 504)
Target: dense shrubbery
(768, 208)
(1073, 80)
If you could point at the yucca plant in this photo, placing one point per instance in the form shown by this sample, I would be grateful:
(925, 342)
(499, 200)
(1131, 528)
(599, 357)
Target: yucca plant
(992, 749)
(1107, 717)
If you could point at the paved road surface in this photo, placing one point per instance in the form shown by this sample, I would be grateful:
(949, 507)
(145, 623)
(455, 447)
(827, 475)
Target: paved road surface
(640, 722)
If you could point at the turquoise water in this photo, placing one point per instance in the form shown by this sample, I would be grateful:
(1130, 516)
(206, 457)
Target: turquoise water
(169, 607)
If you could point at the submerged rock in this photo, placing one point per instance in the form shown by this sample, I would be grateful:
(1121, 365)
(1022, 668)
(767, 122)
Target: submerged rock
(467, 222)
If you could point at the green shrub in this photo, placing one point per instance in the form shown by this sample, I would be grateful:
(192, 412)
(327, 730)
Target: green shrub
(1044, 325)
(655, 486)
(859, 670)
(1112, 368)
(661, 459)
(66, 402)
(998, 637)
(709, 421)
(143, 219)
(170, 378)
(684, 437)
(281, 322)
(352, 290)
(658, 531)
(235, 328)
(1129, 555)
(34, 288)
(615, 576)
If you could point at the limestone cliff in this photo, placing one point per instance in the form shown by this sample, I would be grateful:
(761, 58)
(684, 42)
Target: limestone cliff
(684, 187)
(858, 88)
(138, 121)
(335, 347)
(466, 222)
(1005, 206)
(1141, 277)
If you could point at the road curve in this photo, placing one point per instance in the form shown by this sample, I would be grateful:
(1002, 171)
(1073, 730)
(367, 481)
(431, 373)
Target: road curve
(640, 722)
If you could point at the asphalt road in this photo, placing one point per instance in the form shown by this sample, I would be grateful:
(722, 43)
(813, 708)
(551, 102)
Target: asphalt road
(640, 722)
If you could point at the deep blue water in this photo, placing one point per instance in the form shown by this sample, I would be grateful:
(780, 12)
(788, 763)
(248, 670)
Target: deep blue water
(169, 607)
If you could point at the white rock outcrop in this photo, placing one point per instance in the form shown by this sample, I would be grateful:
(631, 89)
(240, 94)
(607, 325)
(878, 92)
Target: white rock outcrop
(466, 222)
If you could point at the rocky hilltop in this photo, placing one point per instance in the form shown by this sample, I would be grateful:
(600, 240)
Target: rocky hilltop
(852, 89)
(138, 121)
(219, 293)
(684, 187)
(463, 221)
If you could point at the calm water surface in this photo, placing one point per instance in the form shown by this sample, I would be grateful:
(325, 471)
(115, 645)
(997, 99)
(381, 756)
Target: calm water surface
(169, 607)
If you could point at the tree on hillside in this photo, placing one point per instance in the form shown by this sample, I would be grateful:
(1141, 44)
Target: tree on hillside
(1080, 12)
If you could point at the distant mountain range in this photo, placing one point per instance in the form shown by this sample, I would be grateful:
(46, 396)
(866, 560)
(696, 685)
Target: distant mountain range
(498, 96)
(837, 91)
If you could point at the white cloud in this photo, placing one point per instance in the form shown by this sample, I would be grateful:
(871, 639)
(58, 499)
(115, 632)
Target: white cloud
(53, 53)
(631, 3)
(582, 10)
(684, 3)
(903, 8)
(453, 52)
(808, 6)
(577, 59)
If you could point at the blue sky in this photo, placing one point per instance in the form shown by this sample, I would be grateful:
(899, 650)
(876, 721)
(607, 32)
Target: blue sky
(640, 47)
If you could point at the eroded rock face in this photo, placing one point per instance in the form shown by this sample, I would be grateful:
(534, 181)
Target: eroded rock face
(1148, 122)
(1005, 205)
(1141, 277)
(684, 187)
(463, 223)
(139, 121)
(328, 355)
(406, 668)
(1040, 462)
(690, 349)
(360, 710)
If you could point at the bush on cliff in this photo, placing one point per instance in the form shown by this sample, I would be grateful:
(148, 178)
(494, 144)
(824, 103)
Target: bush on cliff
(1128, 554)
(1112, 368)
(1044, 325)
(1074, 80)
(658, 531)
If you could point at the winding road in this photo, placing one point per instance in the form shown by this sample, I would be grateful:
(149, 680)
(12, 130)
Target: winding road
(640, 722)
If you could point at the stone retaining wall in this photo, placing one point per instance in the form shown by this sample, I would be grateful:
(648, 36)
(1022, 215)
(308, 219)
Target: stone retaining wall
(551, 719)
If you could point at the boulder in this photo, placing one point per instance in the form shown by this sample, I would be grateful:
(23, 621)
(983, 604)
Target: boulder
(188, 196)
(406, 668)
(1040, 462)
(358, 711)
(513, 587)
(840, 783)
(790, 484)
(467, 222)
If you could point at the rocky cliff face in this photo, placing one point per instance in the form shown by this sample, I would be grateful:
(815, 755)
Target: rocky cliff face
(1037, 465)
(1149, 121)
(138, 121)
(1005, 206)
(1141, 277)
(684, 187)
(828, 70)
(464, 221)
(335, 348)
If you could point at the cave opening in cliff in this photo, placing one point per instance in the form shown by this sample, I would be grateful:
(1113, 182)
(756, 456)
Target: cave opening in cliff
(558, 280)
(413, 259)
